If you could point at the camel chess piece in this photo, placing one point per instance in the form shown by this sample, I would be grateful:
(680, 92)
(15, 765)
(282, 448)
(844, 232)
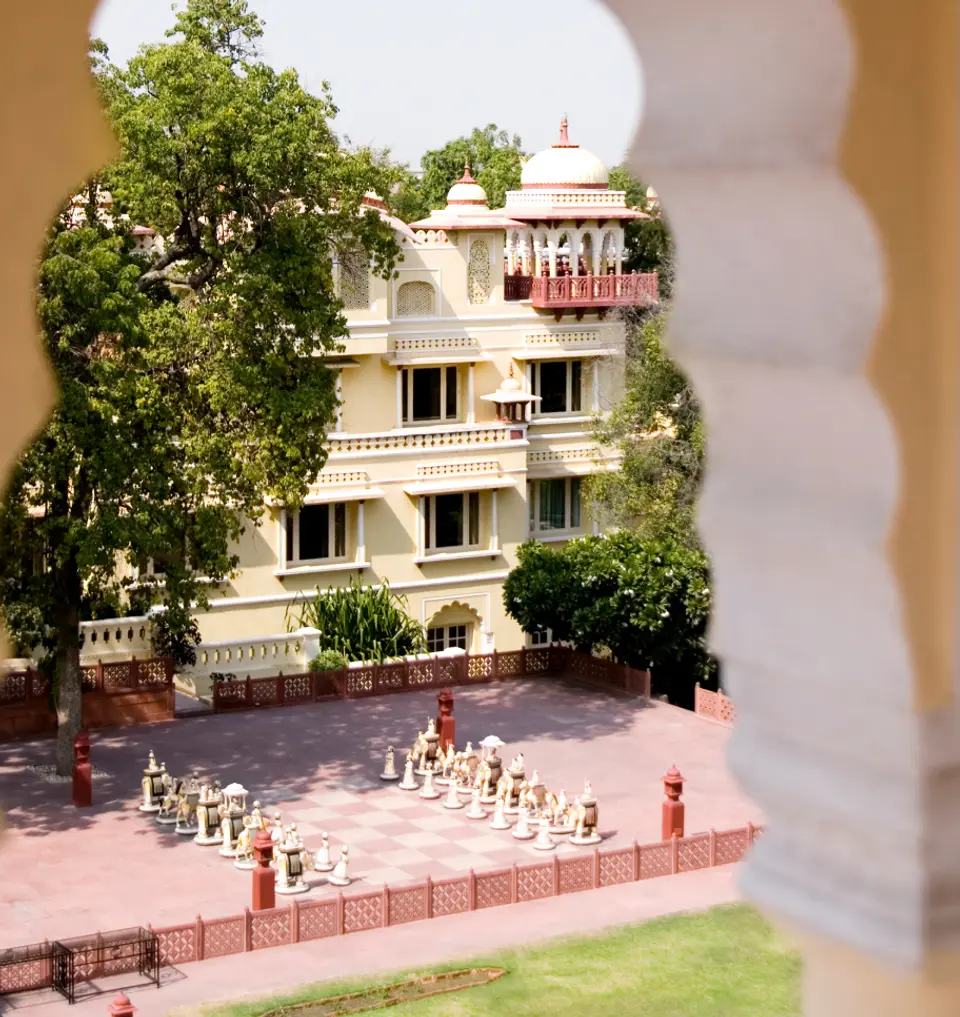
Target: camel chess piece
(339, 876)
(522, 830)
(476, 810)
(499, 821)
(586, 815)
(321, 857)
(390, 766)
(428, 791)
(453, 799)
(544, 841)
(409, 782)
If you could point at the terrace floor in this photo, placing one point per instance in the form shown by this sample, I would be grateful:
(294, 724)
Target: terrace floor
(71, 872)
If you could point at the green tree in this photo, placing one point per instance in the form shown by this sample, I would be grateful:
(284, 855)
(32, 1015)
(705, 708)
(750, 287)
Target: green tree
(361, 622)
(648, 242)
(646, 602)
(192, 385)
(658, 431)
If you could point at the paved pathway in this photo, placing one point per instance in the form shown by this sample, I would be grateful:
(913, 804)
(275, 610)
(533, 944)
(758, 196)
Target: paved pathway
(405, 948)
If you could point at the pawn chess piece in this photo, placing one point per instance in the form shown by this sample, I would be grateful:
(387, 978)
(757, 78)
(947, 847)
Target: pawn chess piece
(499, 821)
(544, 841)
(476, 810)
(522, 830)
(276, 833)
(428, 791)
(390, 767)
(453, 799)
(321, 858)
(339, 875)
(409, 782)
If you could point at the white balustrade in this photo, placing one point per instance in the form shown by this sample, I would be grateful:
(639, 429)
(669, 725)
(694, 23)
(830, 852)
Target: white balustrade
(288, 652)
(116, 637)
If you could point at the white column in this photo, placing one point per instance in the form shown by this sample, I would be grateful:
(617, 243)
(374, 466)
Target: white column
(537, 256)
(399, 397)
(339, 391)
(421, 527)
(618, 242)
(597, 251)
(552, 255)
(525, 251)
(361, 532)
(495, 520)
(511, 252)
(596, 385)
(573, 239)
(284, 522)
(471, 414)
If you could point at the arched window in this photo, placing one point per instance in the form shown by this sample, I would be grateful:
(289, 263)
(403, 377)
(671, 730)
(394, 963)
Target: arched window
(355, 279)
(416, 300)
(478, 273)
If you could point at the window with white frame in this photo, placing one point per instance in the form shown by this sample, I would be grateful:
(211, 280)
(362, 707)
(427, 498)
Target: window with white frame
(317, 533)
(430, 394)
(447, 637)
(452, 521)
(559, 384)
(554, 504)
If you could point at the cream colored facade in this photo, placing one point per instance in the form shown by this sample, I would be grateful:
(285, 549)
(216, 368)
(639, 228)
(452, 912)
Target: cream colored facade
(427, 351)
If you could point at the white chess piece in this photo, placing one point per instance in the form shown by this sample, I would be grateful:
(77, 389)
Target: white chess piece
(544, 841)
(476, 810)
(428, 791)
(499, 821)
(390, 767)
(453, 799)
(321, 857)
(339, 875)
(522, 830)
(409, 782)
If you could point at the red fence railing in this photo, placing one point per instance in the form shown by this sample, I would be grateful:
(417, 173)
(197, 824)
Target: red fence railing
(517, 287)
(30, 686)
(594, 290)
(426, 673)
(714, 706)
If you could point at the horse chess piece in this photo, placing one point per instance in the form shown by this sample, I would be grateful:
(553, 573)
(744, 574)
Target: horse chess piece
(476, 810)
(428, 791)
(321, 857)
(453, 799)
(499, 821)
(544, 841)
(522, 830)
(409, 782)
(390, 767)
(339, 875)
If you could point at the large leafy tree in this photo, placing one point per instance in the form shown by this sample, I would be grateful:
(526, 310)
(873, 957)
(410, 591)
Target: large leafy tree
(648, 242)
(191, 379)
(644, 601)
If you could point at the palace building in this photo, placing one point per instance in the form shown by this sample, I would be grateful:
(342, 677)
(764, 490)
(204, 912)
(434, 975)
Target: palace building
(469, 386)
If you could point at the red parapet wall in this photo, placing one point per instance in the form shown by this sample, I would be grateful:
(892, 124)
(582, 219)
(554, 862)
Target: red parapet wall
(714, 706)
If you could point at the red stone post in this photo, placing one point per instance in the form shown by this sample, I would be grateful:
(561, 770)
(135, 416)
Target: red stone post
(264, 878)
(121, 1006)
(672, 812)
(446, 722)
(82, 772)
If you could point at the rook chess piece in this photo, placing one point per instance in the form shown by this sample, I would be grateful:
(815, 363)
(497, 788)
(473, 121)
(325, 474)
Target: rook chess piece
(409, 782)
(339, 875)
(453, 799)
(428, 791)
(499, 821)
(476, 810)
(321, 858)
(390, 767)
(522, 830)
(544, 841)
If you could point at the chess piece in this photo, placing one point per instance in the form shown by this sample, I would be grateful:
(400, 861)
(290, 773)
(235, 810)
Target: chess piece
(428, 791)
(234, 820)
(208, 818)
(453, 799)
(276, 833)
(476, 811)
(499, 821)
(255, 820)
(151, 786)
(544, 841)
(587, 816)
(245, 860)
(408, 783)
(291, 867)
(321, 857)
(389, 767)
(187, 809)
(522, 830)
(339, 875)
(559, 815)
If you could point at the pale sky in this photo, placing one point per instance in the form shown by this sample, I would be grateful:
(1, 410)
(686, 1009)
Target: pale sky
(413, 74)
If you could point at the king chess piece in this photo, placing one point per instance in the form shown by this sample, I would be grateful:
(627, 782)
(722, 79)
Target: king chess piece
(522, 830)
(409, 782)
(499, 821)
(428, 791)
(339, 876)
(390, 767)
(544, 841)
(453, 799)
(321, 857)
(476, 810)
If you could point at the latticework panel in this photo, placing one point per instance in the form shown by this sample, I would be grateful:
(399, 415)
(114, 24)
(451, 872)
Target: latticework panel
(693, 853)
(416, 300)
(493, 889)
(270, 928)
(102, 961)
(360, 681)
(297, 688)
(420, 673)
(727, 711)
(117, 676)
(222, 937)
(361, 913)
(355, 280)
(153, 672)
(480, 667)
(534, 882)
(391, 677)
(478, 273)
(448, 670)
(537, 661)
(227, 695)
(318, 919)
(264, 691)
(559, 659)
(655, 860)
(576, 874)
(409, 905)
(25, 969)
(510, 664)
(88, 678)
(39, 685)
(177, 945)
(452, 897)
(731, 846)
(616, 867)
(13, 688)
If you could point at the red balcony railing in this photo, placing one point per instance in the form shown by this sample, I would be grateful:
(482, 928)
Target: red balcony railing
(569, 291)
(517, 287)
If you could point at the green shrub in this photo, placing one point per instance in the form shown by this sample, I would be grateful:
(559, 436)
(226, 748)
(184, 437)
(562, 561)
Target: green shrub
(328, 660)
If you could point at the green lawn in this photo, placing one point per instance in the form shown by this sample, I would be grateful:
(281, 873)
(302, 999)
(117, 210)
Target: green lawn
(723, 963)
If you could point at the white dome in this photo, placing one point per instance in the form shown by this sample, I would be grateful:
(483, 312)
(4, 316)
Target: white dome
(565, 165)
(466, 191)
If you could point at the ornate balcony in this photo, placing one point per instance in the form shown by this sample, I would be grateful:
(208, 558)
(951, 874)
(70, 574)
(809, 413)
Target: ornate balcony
(517, 287)
(582, 292)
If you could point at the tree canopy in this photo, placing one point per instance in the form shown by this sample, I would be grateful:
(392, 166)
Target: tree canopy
(192, 385)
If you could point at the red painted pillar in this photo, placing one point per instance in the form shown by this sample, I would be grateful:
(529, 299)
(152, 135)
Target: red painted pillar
(264, 878)
(672, 812)
(446, 723)
(121, 1006)
(82, 771)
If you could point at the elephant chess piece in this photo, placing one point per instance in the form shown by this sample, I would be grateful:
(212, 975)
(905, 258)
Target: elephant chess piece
(151, 786)
(339, 876)
(234, 820)
(389, 766)
(291, 867)
(208, 818)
